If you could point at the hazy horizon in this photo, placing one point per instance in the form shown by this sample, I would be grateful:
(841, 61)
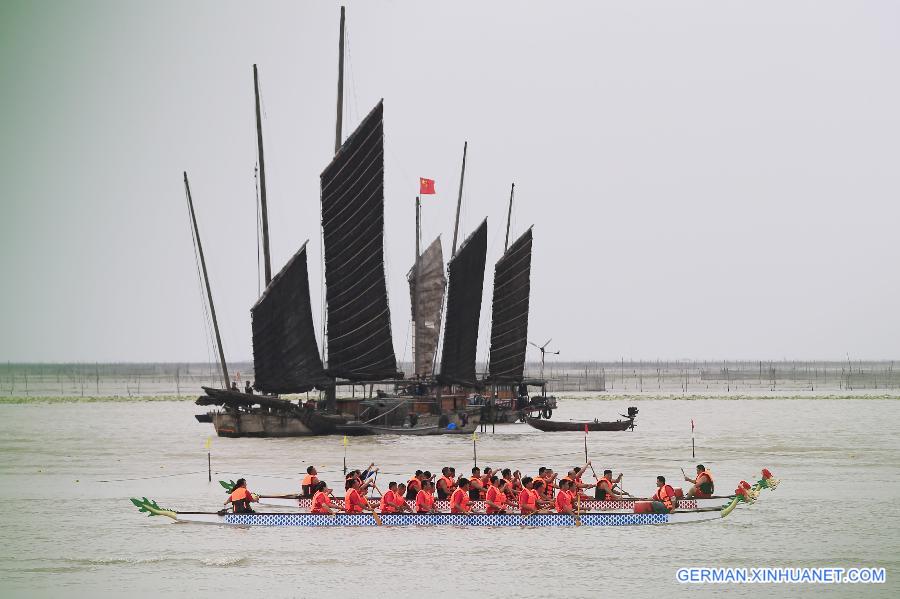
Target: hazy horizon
(704, 179)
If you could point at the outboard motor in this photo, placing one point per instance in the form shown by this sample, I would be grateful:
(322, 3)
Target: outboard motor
(632, 412)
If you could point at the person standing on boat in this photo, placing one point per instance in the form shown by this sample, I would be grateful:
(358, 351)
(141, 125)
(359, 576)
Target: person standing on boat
(321, 501)
(445, 484)
(703, 484)
(605, 487)
(664, 500)
(425, 499)
(310, 482)
(563, 500)
(240, 498)
(459, 501)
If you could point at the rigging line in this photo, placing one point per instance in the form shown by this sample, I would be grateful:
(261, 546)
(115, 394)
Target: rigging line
(206, 318)
(350, 69)
(258, 227)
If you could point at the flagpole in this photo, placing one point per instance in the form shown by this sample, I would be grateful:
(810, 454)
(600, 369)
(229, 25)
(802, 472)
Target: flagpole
(693, 453)
(585, 443)
(474, 449)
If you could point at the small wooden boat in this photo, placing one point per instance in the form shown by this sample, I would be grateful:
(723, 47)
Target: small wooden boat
(552, 426)
(308, 520)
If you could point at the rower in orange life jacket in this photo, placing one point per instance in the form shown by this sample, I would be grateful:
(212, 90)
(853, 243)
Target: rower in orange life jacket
(445, 484)
(476, 486)
(459, 501)
(414, 485)
(486, 481)
(354, 503)
(664, 500)
(321, 501)
(703, 484)
(496, 498)
(389, 500)
(528, 497)
(605, 487)
(425, 498)
(240, 498)
(309, 483)
(563, 500)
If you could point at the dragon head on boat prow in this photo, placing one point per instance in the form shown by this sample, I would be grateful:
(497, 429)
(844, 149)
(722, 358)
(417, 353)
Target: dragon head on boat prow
(152, 508)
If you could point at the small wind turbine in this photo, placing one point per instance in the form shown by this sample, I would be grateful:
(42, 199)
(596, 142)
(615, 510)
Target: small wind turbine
(543, 349)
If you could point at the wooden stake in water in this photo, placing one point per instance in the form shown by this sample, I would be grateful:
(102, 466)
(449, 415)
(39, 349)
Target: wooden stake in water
(474, 449)
(209, 464)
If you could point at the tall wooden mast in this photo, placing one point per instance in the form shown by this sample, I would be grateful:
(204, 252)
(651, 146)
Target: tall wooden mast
(512, 190)
(262, 182)
(340, 89)
(462, 179)
(212, 307)
(416, 281)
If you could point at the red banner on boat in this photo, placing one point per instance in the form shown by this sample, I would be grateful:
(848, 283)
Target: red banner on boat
(426, 186)
(585, 428)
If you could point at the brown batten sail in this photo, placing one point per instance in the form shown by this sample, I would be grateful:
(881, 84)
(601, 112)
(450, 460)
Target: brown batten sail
(360, 346)
(509, 321)
(466, 281)
(285, 354)
(426, 293)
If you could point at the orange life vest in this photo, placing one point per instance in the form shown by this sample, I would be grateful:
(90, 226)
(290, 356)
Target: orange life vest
(499, 498)
(353, 503)
(320, 503)
(665, 494)
(447, 481)
(459, 502)
(708, 475)
(307, 484)
(424, 502)
(240, 499)
(389, 502)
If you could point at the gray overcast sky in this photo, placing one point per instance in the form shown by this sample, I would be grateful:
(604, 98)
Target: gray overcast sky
(706, 179)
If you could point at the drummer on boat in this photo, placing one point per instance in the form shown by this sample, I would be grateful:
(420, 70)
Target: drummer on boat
(703, 485)
(240, 498)
(321, 501)
(664, 500)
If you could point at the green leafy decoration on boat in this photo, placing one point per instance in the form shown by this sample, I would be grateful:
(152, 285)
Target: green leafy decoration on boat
(152, 508)
(228, 485)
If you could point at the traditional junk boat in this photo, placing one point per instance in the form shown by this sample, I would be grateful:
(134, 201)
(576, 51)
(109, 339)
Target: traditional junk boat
(357, 339)
(634, 515)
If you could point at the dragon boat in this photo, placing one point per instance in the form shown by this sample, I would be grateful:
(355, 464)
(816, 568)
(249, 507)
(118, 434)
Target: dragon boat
(637, 516)
(307, 519)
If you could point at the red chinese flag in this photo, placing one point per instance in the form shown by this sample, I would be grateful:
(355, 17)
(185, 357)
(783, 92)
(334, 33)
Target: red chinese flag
(426, 186)
(585, 428)
(692, 425)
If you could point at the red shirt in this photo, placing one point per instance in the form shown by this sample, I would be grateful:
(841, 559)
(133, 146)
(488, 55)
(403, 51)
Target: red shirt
(424, 502)
(491, 493)
(459, 502)
(320, 503)
(389, 502)
(528, 497)
(563, 502)
(500, 499)
(353, 503)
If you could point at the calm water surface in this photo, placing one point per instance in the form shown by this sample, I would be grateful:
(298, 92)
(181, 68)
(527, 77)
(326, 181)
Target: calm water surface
(69, 529)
